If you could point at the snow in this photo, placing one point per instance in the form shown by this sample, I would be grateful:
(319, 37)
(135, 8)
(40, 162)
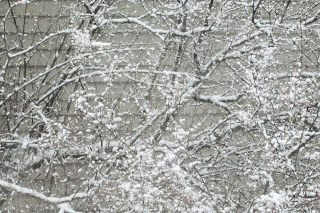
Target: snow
(65, 207)
(33, 193)
(273, 200)
(171, 130)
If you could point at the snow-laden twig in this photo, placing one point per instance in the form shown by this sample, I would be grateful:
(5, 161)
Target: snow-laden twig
(312, 19)
(17, 89)
(159, 32)
(60, 202)
(13, 55)
(218, 100)
(221, 55)
(65, 207)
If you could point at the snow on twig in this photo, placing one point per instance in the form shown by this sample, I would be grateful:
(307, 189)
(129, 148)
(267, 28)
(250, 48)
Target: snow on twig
(41, 196)
(13, 55)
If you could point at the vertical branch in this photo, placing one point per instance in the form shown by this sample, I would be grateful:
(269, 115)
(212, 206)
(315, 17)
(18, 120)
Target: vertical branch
(254, 10)
(285, 11)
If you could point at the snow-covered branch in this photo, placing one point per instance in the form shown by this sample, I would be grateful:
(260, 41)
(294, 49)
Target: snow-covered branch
(218, 100)
(52, 200)
(160, 106)
(13, 55)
